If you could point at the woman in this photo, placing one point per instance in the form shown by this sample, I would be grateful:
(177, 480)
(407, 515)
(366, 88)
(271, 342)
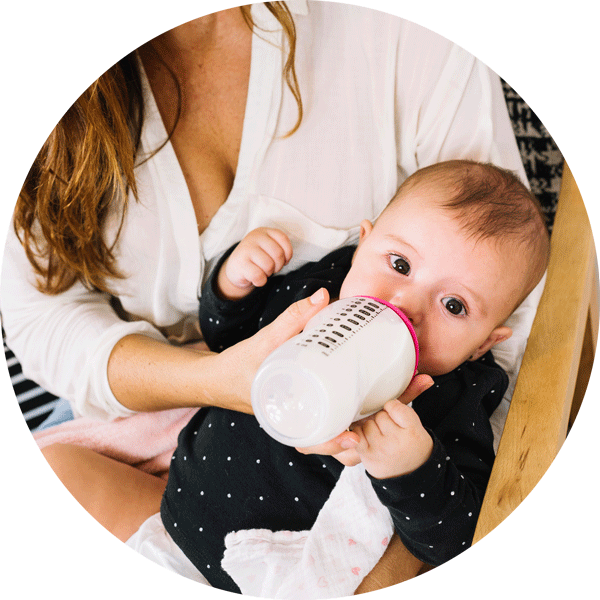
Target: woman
(201, 135)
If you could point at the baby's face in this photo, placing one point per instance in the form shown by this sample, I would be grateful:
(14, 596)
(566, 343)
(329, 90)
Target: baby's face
(455, 291)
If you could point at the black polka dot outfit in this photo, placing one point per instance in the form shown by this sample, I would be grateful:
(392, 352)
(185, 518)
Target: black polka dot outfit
(227, 474)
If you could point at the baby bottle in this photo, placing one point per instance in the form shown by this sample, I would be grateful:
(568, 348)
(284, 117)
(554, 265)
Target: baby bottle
(351, 358)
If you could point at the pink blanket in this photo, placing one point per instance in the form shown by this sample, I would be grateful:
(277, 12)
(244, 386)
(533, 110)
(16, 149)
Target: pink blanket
(145, 440)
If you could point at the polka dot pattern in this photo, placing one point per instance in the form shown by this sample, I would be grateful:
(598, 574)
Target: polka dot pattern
(227, 474)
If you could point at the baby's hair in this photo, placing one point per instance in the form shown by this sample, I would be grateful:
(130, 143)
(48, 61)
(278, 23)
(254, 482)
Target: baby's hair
(490, 203)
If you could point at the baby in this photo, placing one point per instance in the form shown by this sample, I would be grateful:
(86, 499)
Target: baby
(457, 249)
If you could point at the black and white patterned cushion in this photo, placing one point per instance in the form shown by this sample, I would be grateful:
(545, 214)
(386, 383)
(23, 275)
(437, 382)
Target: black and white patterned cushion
(541, 157)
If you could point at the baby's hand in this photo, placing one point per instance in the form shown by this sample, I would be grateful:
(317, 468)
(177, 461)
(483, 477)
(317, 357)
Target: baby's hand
(345, 446)
(393, 442)
(262, 253)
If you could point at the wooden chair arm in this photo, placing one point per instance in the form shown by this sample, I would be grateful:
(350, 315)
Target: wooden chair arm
(566, 324)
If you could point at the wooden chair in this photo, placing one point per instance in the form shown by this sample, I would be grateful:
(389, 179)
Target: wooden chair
(551, 384)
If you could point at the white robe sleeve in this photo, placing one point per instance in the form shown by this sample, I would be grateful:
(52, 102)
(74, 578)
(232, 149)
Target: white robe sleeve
(63, 342)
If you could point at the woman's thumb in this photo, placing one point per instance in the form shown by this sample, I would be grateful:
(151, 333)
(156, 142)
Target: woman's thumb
(417, 386)
(293, 320)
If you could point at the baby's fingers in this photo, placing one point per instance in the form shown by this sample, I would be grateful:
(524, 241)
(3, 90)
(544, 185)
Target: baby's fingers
(401, 415)
(272, 251)
(256, 273)
(283, 248)
(263, 265)
(268, 257)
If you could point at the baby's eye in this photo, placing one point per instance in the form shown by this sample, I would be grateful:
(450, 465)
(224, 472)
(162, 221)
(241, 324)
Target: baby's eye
(454, 306)
(399, 264)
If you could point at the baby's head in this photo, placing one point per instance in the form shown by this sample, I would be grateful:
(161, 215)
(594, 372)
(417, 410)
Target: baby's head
(457, 249)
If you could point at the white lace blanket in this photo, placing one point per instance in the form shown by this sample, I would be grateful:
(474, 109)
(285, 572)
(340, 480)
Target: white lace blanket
(349, 536)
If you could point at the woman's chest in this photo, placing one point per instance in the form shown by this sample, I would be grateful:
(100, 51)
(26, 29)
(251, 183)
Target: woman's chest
(203, 109)
(207, 141)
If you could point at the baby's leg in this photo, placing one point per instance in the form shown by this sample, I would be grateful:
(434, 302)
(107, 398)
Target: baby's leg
(117, 495)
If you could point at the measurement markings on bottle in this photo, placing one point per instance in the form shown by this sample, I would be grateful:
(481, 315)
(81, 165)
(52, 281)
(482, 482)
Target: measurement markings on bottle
(343, 326)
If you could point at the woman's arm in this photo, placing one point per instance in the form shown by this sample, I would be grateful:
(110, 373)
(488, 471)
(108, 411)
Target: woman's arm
(75, 346)
(63, 341)
(145, 374)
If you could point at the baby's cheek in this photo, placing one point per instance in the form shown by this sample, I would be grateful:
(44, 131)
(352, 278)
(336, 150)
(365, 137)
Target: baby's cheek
(346, 289)
(439, 361)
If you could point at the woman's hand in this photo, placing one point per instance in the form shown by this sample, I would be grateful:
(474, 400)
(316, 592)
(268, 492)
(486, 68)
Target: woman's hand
(345, 447)
(240, 363)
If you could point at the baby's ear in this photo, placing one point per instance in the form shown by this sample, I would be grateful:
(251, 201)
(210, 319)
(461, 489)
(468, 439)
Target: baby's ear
(498, 335)
(365, 229)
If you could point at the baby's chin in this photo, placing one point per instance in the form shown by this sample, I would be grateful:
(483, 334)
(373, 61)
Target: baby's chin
(435, 368)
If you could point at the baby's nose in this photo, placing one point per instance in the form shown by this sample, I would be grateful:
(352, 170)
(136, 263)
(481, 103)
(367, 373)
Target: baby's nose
(411, 308)
(414, 320)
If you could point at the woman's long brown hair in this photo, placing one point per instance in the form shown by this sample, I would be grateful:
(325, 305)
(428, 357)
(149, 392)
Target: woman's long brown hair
(86, 168)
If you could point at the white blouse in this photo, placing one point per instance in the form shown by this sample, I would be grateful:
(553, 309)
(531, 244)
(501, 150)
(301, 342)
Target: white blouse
(381, 96)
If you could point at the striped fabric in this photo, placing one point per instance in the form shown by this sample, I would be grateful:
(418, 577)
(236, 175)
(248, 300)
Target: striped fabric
(36, 403)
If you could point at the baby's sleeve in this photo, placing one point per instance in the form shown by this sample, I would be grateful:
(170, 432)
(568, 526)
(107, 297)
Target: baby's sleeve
(435, 508)
(224, 323)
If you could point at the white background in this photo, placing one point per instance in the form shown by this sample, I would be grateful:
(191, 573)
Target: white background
(548, 51)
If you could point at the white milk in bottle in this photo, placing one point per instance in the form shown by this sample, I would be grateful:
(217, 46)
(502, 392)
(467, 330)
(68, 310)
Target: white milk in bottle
(351, 358)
